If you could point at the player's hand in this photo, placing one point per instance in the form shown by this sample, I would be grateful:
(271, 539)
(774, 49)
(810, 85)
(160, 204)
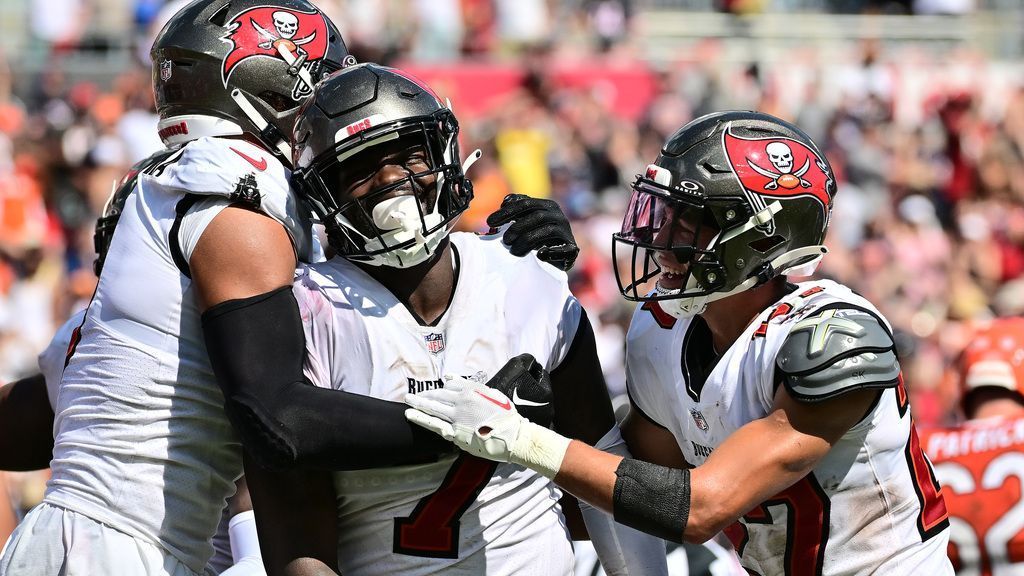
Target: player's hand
(528, 384)
(480, 420)
(476, 418)
(537, 224)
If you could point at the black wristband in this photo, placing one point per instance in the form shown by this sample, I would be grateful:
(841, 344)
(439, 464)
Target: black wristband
(651, 498)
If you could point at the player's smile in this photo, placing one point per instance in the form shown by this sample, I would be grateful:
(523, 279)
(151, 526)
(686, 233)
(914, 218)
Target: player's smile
(672, 272)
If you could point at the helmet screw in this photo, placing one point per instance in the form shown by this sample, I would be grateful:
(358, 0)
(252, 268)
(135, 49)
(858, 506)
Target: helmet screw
(740, 262)
(712, 276)
(730, 214)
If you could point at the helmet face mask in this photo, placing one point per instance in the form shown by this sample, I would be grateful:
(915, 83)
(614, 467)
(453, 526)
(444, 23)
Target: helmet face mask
(734, 199)
(384, 176)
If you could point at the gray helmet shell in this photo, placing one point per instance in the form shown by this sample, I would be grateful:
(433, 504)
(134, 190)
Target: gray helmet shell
(355, 110)
(758, 181)
(241, 66)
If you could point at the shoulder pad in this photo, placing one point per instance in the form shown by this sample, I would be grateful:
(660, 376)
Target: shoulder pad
(234, 169)
(835, 351)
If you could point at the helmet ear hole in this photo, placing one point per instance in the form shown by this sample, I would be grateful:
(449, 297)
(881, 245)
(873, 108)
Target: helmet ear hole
(279, 102)
(766, 245)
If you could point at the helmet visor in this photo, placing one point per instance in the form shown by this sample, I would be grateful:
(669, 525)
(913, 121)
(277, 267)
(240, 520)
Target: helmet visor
(663, 235)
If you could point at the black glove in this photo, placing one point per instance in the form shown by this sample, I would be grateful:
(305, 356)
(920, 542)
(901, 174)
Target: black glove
(539, 225)
(528, 384)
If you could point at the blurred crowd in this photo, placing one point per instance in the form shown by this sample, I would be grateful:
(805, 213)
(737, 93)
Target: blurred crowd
(928, 151)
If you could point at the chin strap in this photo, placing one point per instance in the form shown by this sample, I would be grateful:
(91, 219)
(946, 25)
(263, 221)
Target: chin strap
(268, 132)
(471, 159)
(691, 306)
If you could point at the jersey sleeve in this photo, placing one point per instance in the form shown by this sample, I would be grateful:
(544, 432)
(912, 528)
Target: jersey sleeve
(642, 380)
(316, 328)
(238, 172)
(540, 300)
(834, 351)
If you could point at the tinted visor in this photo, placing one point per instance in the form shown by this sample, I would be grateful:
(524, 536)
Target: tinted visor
(660, 224)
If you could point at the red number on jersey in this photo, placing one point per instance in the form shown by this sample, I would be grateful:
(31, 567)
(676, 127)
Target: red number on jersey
(933, 517)
(982, 470)
(432, 530)
(807, 508)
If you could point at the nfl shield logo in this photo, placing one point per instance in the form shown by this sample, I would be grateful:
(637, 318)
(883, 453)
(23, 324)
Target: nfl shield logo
(699, 420)
(165, 70)
(435, 343)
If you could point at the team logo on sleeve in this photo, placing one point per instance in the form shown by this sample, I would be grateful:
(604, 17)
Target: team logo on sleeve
(778, 167)
(298, 38)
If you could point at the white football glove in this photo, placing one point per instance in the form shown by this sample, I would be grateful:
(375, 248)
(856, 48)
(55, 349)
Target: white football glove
(482, 421)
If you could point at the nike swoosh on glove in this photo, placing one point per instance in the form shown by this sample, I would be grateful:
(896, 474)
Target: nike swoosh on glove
(528, 384)
(481, 421)
(537, 224)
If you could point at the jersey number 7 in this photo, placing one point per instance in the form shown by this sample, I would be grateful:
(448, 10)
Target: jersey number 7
(432, 530)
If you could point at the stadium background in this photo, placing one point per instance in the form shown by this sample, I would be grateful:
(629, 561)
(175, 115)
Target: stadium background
(919, 105)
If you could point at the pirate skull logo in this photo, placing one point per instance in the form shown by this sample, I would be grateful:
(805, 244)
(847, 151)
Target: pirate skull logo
(781, 157)
(287, 24)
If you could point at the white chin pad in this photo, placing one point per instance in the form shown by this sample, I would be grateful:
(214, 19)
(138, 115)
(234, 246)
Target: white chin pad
(400, 212)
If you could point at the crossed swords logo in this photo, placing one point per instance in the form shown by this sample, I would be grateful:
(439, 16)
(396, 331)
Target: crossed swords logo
(781, 157)
(290, 49)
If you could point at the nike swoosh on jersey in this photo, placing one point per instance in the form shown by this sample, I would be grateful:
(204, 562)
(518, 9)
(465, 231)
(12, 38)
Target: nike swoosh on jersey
(506, 405)
(518, 401)
(261, 165)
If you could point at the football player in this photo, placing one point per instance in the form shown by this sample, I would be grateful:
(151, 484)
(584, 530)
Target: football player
(981, 462)
(781, 404)
(143, 457)
(404, 306)
(26, 412)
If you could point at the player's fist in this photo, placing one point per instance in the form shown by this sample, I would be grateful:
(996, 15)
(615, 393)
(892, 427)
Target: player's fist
(528, 384)
(537, 224)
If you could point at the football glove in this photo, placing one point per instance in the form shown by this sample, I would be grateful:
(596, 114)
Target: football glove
(482, 421)
(528, 384)
(537, 224)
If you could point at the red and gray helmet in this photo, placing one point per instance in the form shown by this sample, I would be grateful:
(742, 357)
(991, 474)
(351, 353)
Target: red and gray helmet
(756, 187)
(230, 67)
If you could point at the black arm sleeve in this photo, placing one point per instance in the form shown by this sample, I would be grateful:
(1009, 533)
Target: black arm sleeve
(26, 425)
(583, 409)
(256, 347)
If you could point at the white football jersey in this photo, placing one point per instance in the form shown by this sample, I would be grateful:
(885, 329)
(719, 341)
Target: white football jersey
(871, 506)
(461, 515)
(51, 365)
(142, 443)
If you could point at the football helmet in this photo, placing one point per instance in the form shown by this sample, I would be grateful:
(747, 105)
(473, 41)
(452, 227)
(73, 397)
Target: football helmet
(359, 120)
(994, 358)
(733, 200)
(230, 67)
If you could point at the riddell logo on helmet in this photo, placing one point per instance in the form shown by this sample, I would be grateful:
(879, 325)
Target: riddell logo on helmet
(298, 38)
(179, 129)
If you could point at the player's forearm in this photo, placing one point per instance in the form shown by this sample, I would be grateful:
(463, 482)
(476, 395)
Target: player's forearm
(256, 348)
(26, 425)
(623, 550)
